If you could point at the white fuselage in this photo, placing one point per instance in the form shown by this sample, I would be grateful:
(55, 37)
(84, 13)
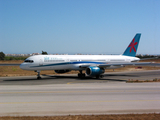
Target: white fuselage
(72, 62)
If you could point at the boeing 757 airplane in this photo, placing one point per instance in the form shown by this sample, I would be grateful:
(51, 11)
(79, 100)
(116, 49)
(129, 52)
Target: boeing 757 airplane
(93, 65)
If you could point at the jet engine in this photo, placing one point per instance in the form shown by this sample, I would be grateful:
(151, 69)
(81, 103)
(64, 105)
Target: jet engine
(62, 71)
(94, 71)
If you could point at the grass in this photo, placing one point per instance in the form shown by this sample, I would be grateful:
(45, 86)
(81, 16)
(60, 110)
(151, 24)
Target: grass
(141, 81)
(152, 116)
(11, 61)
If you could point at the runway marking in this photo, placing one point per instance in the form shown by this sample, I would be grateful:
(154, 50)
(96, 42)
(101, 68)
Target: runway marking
(79, 101)
(107, 91)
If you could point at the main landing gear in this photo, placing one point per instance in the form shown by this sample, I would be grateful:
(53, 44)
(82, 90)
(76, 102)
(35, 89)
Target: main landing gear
(38, 75)
(99, 76)
(81, 75)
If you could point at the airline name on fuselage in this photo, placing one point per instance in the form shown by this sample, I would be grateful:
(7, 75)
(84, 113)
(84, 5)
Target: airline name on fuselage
(47, 59)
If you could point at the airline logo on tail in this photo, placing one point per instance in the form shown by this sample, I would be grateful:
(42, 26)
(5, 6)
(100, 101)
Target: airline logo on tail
(133, 46)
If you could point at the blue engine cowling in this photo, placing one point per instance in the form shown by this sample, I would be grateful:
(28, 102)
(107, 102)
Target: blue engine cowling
(62, 71)
(94, 71)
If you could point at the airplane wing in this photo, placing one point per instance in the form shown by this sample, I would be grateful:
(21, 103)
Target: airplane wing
(126, 64)
(121, 64)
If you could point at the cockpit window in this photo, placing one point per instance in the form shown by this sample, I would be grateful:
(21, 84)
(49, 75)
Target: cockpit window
(30, 61)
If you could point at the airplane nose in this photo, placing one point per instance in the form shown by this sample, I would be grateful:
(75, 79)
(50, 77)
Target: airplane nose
(22, 66)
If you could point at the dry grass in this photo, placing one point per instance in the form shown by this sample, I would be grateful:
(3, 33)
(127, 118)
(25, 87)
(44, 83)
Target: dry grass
(152, 60)
(153, 116)
(11, 61)
(140, 81)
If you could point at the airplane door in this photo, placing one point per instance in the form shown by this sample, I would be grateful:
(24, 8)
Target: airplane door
(67, 60)
(40, 62)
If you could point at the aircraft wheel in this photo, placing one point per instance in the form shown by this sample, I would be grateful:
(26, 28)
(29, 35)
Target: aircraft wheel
(101, 76)
(81, 75)
(38, 78)
(97, 76)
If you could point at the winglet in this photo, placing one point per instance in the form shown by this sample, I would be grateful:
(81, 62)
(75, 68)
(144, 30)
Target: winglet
(133, 46)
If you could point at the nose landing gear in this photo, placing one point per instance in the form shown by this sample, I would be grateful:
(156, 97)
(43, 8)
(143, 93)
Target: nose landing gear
(38, 75)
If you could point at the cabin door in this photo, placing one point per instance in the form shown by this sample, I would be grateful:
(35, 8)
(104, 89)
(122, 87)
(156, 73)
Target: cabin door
(40, 62)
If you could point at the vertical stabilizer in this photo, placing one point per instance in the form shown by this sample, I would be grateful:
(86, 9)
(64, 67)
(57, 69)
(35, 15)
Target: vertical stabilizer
(133, 46)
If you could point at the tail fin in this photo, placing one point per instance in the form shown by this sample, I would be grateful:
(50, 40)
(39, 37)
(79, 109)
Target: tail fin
(133, 46)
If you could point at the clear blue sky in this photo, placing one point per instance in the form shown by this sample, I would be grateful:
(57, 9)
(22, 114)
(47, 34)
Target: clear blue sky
(79, 26)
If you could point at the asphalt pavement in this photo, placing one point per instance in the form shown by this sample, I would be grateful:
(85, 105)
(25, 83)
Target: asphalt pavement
(67, 94)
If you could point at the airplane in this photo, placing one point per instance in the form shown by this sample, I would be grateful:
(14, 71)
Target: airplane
(93, 65)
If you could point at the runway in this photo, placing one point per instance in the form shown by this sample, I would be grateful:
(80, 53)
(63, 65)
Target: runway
(64, 95)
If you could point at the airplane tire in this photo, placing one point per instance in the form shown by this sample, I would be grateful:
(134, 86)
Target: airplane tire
(38, 77)
(81, 75)
(97, 76)
(101, 76)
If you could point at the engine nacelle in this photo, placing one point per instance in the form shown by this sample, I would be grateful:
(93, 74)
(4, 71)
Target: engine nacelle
(62, 71)
(94, 70)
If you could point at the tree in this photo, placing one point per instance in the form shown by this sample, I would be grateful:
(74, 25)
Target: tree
(2, 56)
(44, 53)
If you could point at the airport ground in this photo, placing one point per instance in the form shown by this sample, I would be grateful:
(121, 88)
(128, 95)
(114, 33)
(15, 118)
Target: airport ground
(59, 95)
(153, 116)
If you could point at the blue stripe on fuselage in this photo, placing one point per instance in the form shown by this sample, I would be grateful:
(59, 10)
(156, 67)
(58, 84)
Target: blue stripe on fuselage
(66, 63)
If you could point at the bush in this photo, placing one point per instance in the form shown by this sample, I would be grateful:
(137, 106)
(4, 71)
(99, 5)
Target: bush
(2, 56)
(14, 58)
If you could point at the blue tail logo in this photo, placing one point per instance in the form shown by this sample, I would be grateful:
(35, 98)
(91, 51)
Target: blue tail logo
(133, 46)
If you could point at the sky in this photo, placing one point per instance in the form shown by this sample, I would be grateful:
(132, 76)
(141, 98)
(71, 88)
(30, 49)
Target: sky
(78, 26)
